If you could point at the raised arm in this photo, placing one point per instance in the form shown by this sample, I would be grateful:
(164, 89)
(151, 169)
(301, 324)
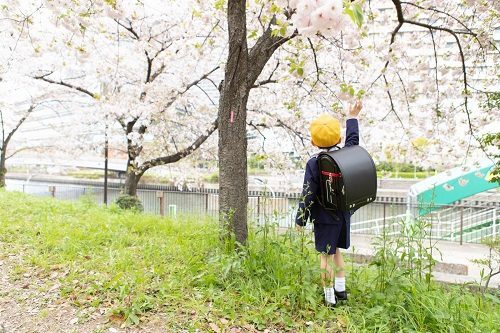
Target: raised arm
(352, 129)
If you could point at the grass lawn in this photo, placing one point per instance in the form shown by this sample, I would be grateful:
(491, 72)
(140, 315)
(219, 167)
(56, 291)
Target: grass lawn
(134, 265)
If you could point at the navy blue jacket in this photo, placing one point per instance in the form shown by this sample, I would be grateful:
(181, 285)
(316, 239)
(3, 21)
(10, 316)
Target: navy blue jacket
(309, 206)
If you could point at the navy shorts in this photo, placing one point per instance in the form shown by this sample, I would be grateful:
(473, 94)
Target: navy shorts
(328, 237)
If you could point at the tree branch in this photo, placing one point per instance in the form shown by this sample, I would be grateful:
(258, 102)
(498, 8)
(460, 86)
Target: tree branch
(392, 103)
(269, 79)
(65, 84)
(262, 51)
(189, 86)
(436, 70)
(19, 123)
(180, 154)
(27, 148)
(130, 29)
(315, 60)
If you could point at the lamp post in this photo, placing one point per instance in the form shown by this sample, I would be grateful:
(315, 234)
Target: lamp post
(104, 90)
(106, 148)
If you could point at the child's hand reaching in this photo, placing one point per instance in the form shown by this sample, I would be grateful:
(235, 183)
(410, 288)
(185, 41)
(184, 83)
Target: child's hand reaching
(355, 109)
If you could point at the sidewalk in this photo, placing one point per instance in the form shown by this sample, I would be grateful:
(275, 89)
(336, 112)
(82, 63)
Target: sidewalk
(454, 263)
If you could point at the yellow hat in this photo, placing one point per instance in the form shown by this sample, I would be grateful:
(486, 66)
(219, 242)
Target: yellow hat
(325, 131)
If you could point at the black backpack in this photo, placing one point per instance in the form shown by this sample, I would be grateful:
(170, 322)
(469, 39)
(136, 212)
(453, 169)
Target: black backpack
(348, 179)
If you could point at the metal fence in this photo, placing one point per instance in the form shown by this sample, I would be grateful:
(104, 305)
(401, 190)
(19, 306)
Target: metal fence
(461, 223)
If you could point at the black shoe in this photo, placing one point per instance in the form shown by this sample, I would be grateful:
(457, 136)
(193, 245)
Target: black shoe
(341, 295)
(330, 305)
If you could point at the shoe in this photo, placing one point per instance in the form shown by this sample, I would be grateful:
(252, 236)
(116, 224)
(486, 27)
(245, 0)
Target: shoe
(330, 305)
(341, 295)
(330, 294)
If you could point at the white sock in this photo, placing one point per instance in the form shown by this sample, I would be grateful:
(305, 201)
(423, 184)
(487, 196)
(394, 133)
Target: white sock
(340, 283)
(329, 295)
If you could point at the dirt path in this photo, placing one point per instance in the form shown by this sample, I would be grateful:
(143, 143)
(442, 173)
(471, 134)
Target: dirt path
(30, 302)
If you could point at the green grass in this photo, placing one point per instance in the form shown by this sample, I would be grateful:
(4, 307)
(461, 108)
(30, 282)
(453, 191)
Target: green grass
(136, 265)
(86, 174)
(404, 175)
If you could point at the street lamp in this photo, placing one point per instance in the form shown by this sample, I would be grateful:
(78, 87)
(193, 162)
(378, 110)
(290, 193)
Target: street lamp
(104, 88)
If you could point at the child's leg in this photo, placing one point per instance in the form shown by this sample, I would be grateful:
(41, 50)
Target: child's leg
(338, 259)
(327, 278)
(340, 275)
(326, 270)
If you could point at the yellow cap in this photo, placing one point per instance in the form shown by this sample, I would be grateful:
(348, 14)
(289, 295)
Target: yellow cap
(325, 131)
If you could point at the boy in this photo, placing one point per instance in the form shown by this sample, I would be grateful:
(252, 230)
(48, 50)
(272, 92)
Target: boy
(331, 229)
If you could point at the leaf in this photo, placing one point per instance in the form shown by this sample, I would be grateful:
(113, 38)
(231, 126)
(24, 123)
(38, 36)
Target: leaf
(349, 12)
(214, 327)
(133, 318)
(283, 31)
(493, 298)
(358, 15)
(351, 91)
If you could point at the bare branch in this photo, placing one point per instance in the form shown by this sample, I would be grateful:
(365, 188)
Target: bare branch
(130, 29)
(3, 129)
(269, 79)
(180, 154)
(402, 20)
(27, 148)
(436, 69)
(65, 84)
(262, 51)
(19, 123)
(315, 59)
(404, 90)
(189, 86)
(392, 103)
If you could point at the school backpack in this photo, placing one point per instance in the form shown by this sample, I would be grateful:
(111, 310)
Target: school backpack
(348, 179)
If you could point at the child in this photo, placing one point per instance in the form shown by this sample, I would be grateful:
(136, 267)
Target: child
(331, 229)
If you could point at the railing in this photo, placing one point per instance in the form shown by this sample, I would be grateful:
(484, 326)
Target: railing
(456, 223)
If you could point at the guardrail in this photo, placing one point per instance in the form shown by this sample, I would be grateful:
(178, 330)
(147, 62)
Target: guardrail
(459, 223)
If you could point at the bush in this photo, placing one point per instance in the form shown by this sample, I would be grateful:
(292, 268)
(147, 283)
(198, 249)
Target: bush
(213, 178)
(126, 201)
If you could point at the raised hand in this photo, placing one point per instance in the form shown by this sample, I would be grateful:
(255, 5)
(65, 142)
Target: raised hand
(355, 109)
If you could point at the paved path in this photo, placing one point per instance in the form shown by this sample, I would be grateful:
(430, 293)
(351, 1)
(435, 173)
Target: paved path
(456, 260)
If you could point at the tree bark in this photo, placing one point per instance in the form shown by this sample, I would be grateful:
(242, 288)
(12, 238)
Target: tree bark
(3, 169)
(233, 186)
(131, 181)
(243, 67)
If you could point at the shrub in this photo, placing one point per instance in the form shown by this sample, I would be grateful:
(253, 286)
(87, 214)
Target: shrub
(131, 202)
(212, 178)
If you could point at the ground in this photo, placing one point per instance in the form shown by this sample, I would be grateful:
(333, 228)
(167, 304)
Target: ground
(31, 302)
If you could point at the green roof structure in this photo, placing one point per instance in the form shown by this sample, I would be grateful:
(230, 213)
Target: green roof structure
(450, 186)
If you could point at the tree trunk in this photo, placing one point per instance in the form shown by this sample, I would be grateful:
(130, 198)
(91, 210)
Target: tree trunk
(3, 170)
(233, 162)
(243, 68)
(232, 127)
(131, 181)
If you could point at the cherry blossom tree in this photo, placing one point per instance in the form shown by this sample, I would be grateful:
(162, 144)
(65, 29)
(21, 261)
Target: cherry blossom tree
(385, 74)
(140, 64)
(19, 97)
(7, 135)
